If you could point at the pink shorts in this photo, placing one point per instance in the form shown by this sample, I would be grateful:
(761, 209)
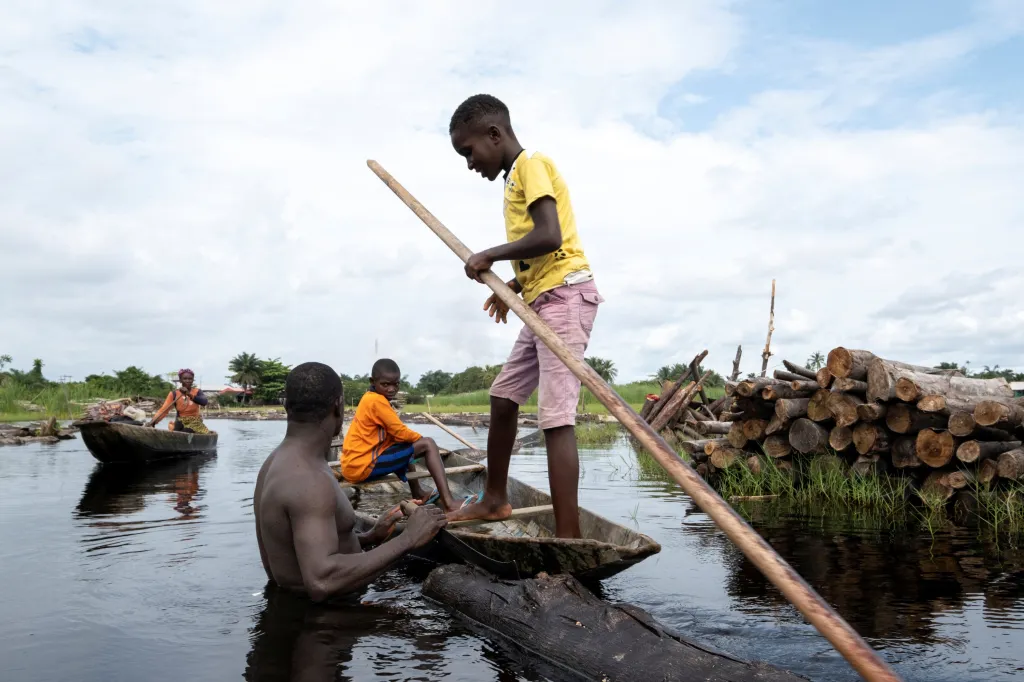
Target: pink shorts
(570, 311)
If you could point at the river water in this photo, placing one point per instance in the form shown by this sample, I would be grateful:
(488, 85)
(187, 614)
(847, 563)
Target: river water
(156, 576)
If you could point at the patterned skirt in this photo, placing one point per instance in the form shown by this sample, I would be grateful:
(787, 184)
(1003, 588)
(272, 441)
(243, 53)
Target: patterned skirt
(193, 424)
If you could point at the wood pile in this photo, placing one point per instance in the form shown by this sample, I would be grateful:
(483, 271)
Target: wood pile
(877, 415)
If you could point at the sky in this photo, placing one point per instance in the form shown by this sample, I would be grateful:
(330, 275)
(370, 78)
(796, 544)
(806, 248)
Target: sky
(184, 181)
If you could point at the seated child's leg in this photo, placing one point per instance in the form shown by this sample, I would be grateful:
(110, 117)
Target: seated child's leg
(426, 449)
(394, 460)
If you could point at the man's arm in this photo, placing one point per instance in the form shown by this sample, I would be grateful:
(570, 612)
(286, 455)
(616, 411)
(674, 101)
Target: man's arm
(325, 571)
(544, 238)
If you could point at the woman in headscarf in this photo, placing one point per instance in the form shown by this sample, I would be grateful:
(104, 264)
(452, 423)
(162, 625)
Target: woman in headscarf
(186, 401)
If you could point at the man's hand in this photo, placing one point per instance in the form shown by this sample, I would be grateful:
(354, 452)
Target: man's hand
(385, 525)
(424, 523)
(477, 264)
(496, 308)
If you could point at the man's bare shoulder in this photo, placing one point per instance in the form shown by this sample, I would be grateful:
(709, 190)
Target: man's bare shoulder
(287, 478)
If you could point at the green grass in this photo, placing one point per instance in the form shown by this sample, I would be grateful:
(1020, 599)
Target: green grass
(596, 435)
(479, 401)
(64, 401)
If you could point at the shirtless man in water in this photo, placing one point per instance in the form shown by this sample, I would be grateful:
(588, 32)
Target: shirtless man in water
(305, 525)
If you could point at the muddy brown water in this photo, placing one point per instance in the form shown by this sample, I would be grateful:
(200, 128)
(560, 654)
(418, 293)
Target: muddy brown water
(155, 575)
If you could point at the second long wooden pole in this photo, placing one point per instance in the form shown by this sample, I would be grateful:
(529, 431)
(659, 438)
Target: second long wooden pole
(838, 632)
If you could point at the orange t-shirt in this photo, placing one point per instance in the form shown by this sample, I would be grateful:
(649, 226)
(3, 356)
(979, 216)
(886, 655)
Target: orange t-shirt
(374, 429)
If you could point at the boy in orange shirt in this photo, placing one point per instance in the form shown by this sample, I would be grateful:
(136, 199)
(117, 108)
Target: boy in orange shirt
(378, 443)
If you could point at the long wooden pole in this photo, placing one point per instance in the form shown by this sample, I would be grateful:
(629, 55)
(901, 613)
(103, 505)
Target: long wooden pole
(837, 631)
(438, 423)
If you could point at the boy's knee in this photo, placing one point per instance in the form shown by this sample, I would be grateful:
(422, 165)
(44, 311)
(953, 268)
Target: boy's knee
(503, 407)
(423, 444)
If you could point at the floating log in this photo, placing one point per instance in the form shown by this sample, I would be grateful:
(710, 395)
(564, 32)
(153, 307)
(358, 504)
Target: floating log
(844, 408)
(1011, 464)
(872, 412)
(883, 375)
(994, 413)
(784, 391)
(973, 450)
(988, 471)
(904, 453)
(791, 408)
(961, 424)
(847, 385)
(935, 448)
(824, 378)
(805, 385)
(808, 437)
(754, 429)
(844, 363)
(840, 438)
(736, 437)
(817, 406)
(802, 371)
(913, 385)
(783, 375)
(905, 419)
(561, 622)
(776, 446)
(712, 428)
(870, 437)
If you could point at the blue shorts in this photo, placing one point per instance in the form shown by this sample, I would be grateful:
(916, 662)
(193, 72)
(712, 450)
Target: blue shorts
(394, 460)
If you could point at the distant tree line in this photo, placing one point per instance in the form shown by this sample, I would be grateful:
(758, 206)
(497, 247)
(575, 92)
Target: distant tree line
(130, 381)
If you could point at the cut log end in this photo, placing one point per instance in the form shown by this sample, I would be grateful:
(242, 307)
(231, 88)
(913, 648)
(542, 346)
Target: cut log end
(817, 406)
(840, 438)
(777, 446)
(935, 448)
(808, 437)
(1011, 465)
(845, 363)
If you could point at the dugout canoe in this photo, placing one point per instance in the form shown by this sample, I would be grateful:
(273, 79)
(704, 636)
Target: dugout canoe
(121, 443)
(605, 549)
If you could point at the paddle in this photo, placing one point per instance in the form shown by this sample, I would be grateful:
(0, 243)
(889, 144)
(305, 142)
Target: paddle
(837, 631)
(502, 569)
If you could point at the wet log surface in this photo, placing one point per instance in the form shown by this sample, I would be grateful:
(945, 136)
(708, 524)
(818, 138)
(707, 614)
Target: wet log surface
(559, 619)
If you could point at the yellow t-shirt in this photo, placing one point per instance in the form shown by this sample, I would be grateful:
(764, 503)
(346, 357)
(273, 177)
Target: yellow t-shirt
(531, 177)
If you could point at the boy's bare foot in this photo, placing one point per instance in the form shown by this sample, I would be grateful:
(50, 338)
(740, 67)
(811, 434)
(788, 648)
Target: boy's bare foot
(483, 510)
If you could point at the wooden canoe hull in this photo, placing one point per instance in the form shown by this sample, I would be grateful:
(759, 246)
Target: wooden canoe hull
(605, 549)
(120, 443)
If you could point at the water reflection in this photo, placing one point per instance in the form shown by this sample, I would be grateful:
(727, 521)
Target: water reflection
(116, 490)
(894, 586)
(384, 635)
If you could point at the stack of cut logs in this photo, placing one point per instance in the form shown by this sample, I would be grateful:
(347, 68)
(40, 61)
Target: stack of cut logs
(877, 415)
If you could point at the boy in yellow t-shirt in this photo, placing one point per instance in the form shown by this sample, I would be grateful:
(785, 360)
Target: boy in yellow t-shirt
(378, 443)
(554, 278)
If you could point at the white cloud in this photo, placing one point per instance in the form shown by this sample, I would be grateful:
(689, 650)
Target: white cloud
(195, 186)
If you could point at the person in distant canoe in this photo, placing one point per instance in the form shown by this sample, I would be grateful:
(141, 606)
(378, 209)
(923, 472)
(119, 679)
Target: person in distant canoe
(186, 401)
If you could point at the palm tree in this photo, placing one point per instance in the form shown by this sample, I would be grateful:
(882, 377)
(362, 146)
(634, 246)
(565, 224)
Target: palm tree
(605, 368)
(245, 368)
(816, 361)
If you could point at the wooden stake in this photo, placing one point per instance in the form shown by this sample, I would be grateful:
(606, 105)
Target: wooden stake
(816, 610)
(736, 364)
(767, 353)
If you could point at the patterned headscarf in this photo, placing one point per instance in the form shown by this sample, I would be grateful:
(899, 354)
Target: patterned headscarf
(183, 372)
